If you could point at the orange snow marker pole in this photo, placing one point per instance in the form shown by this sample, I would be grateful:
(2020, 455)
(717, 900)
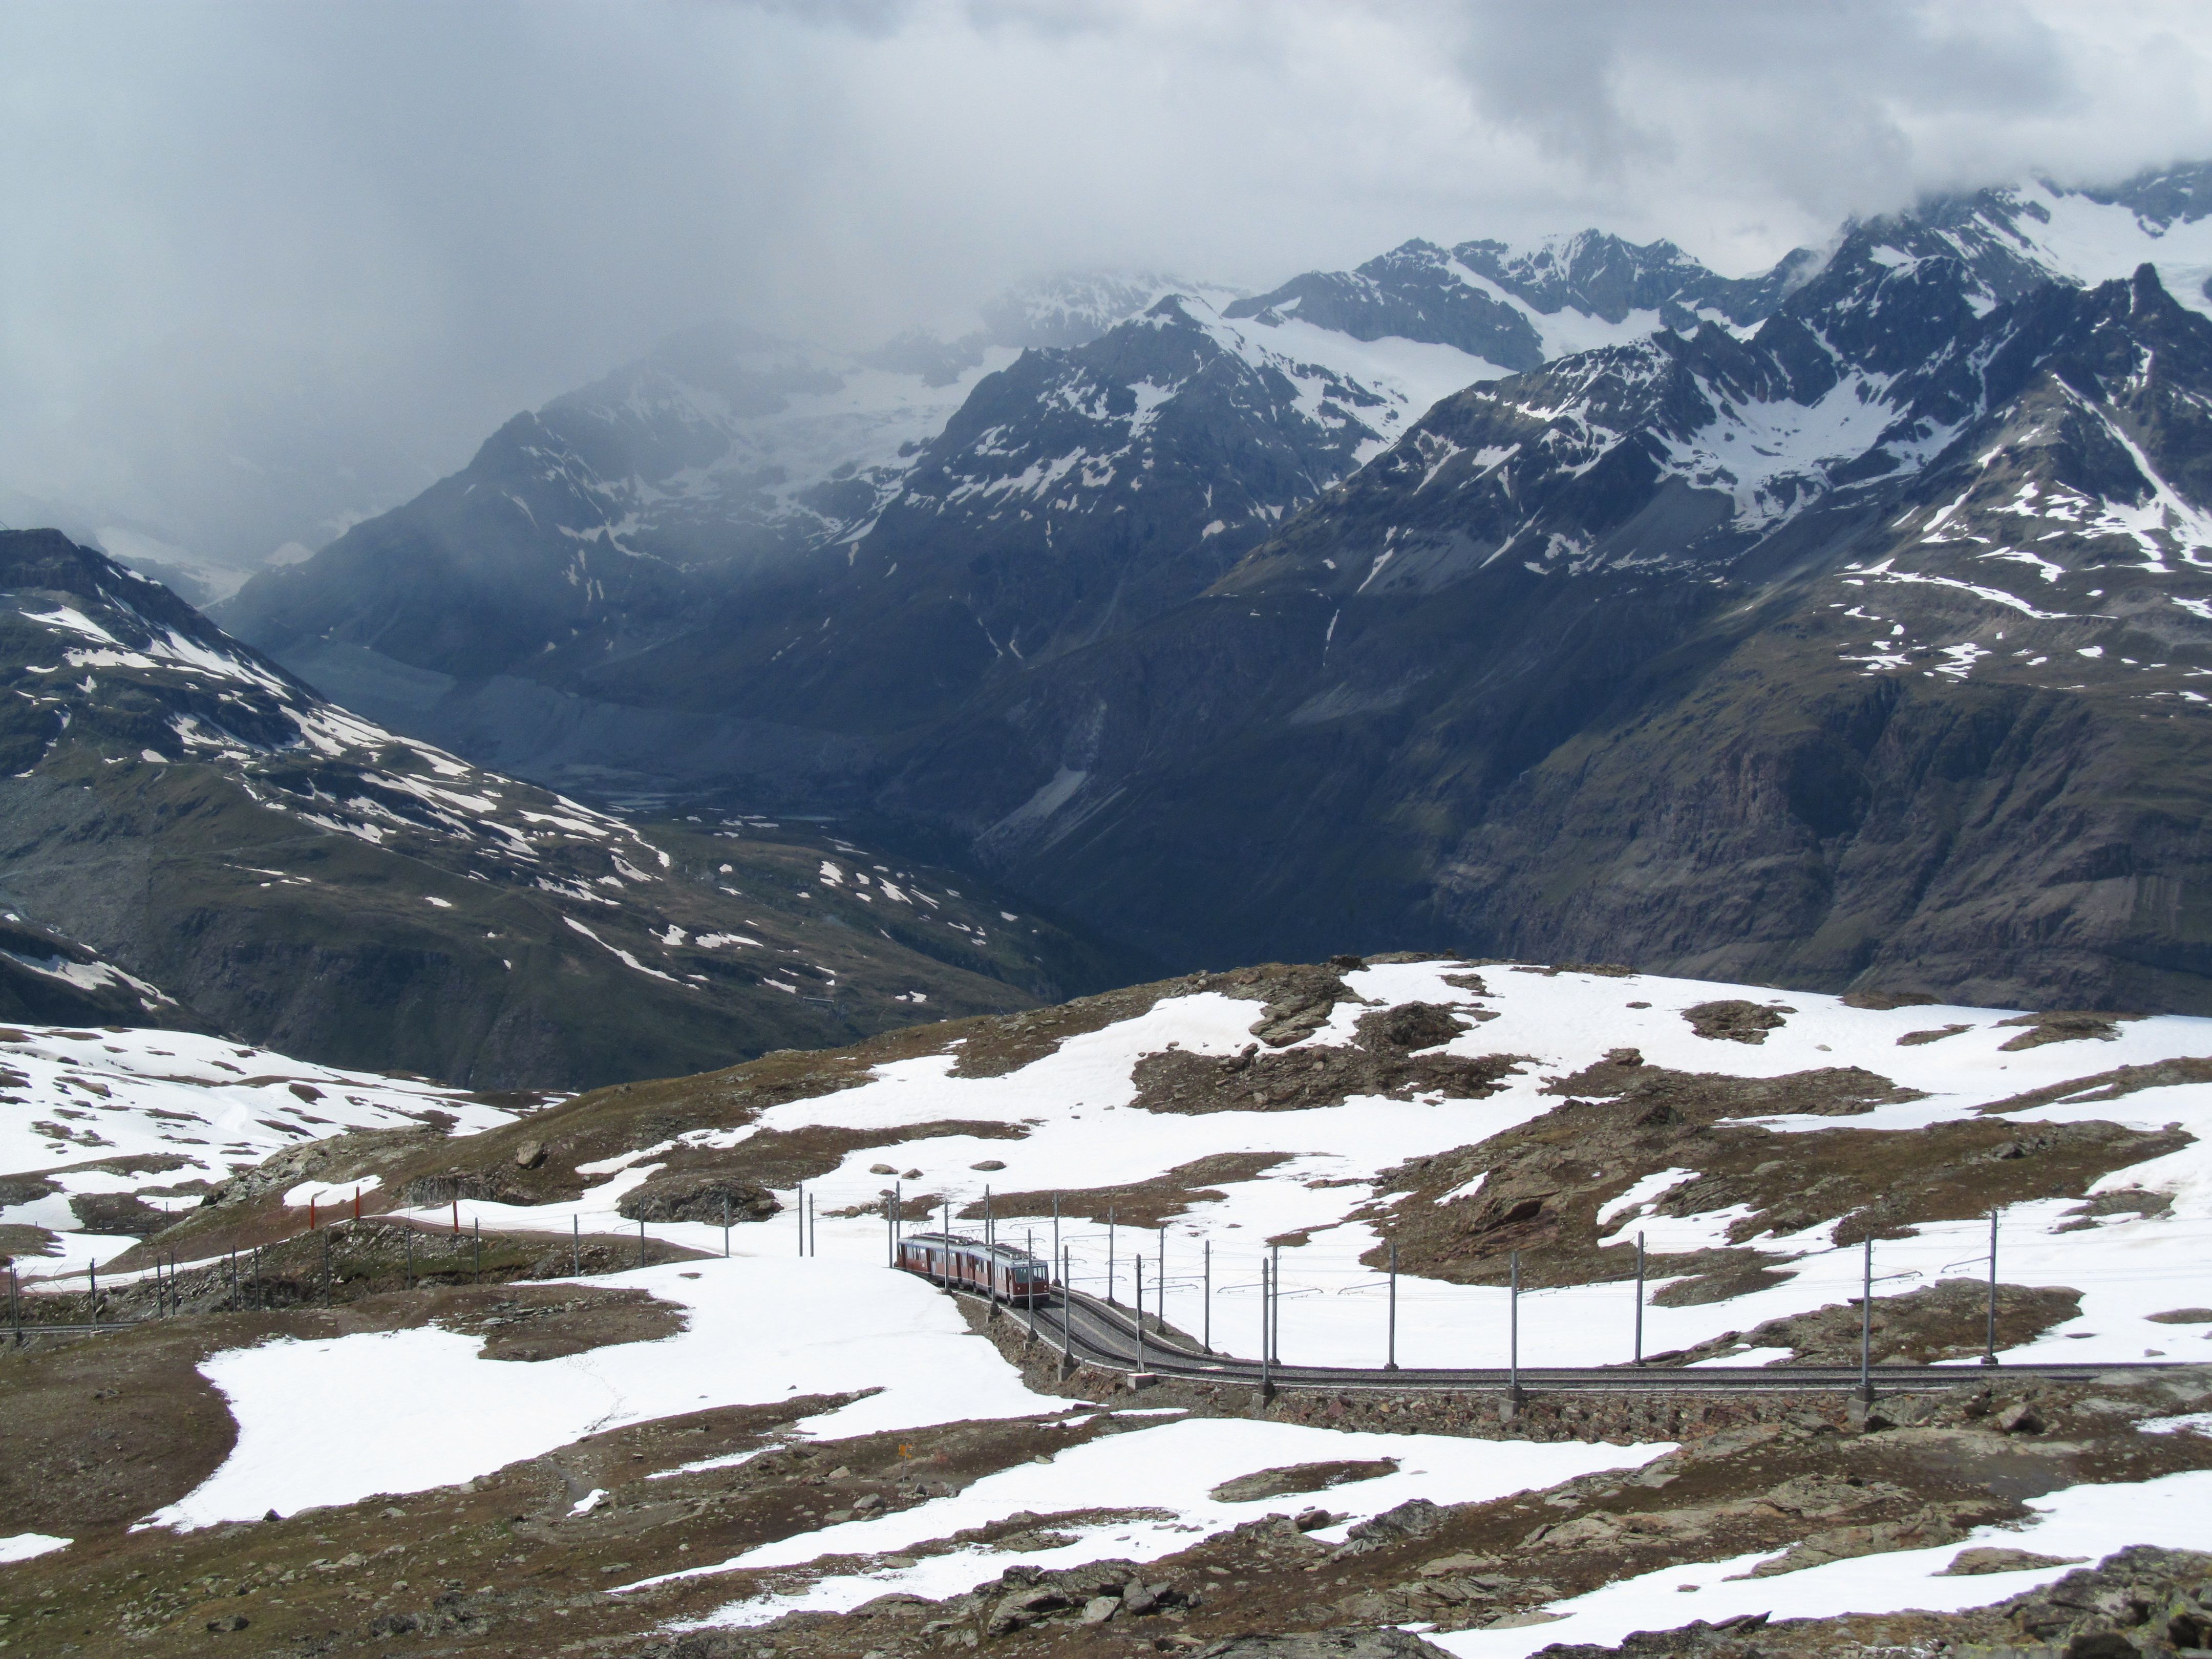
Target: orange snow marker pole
(457, 1217)
(357, 1204)
(311, 1215)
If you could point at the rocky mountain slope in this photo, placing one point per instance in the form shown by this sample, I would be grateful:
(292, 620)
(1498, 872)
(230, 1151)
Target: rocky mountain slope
(1210, 633)
(701, 1454)
(287, 871)
(726, 565)
(1855, 648)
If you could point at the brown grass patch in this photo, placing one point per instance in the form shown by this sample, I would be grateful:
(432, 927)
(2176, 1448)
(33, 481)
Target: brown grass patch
(1151, 1203)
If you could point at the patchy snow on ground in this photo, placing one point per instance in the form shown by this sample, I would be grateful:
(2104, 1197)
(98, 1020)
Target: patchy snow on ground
(1082, 1130)
(1169, 1472)
(423, 1408)
(2079, 1520)
(26, 1545)
(201, 1107)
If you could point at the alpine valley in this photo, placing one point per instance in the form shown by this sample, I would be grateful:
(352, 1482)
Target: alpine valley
(196, 840)
(1838, 626)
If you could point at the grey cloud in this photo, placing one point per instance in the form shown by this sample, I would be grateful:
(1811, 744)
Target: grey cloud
(267, 266)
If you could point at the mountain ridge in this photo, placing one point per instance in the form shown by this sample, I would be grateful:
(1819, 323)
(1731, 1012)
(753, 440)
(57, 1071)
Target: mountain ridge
(186, 809)
(1288, 728)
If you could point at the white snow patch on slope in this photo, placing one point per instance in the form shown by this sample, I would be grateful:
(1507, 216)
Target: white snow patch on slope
(1173, 1467)
(424, 1408)
(25, 1546)
(2086, 1520)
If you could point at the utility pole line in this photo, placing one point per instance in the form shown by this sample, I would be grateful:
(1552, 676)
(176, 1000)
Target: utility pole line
(1267, 1371)
(1989, 1346)
(1640, 1298)
(1513, 1326)
(1390, 1362)
(1866, 1325)
(1138, 1268)
(1277, 1321)
(1067, 1303)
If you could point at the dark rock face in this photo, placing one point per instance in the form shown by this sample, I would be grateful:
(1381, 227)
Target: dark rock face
(698, 1196)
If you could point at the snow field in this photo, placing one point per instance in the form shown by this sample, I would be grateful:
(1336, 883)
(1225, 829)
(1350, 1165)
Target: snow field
(25, 1545)
(423, 1408)
(1084, 1132)
(2079, 1520)
(1172, 1468)
(88, 1097)
(338, 1420)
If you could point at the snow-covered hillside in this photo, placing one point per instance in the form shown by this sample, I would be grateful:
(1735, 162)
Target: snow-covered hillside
(1086, 1125)
(258, 819)
(1303, 1116)
(105, 1125)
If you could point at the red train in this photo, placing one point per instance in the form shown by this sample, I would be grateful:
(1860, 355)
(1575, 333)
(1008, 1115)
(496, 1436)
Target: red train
(1014, 1275)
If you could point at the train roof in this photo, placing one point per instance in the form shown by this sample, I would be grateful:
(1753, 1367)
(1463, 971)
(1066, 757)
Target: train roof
(960, 1241)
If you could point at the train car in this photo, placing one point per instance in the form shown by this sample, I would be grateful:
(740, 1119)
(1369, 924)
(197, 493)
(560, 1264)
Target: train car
(1012, 1274)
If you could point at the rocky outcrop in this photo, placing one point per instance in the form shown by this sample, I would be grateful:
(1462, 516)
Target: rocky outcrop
(699, 1195)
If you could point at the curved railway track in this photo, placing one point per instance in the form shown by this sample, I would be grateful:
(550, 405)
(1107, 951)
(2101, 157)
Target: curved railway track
(1104, 1336)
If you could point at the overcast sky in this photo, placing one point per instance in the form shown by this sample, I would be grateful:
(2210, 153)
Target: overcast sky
(265, 266)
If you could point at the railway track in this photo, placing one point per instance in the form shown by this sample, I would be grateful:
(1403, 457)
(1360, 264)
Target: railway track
(1104, 1336)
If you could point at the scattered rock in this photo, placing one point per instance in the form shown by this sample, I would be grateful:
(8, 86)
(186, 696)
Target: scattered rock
(1985, 1557)
(1388, 1643)
(117, 1213)
(1299, 1002)
(1930, 1528)
(2182, 1316)
(1300, 1477)
(529, 1154)
(2163, 1596)
(1414, 1518)
(2071, 1026)
(989, 1163)
(1914, 1039)
(697, 1196)
(1409, 1025)
(2019, 1417)
(1735, 1020)
(881, 1170)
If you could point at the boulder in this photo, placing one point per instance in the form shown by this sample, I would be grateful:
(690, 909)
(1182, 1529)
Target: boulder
(698, 1196)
